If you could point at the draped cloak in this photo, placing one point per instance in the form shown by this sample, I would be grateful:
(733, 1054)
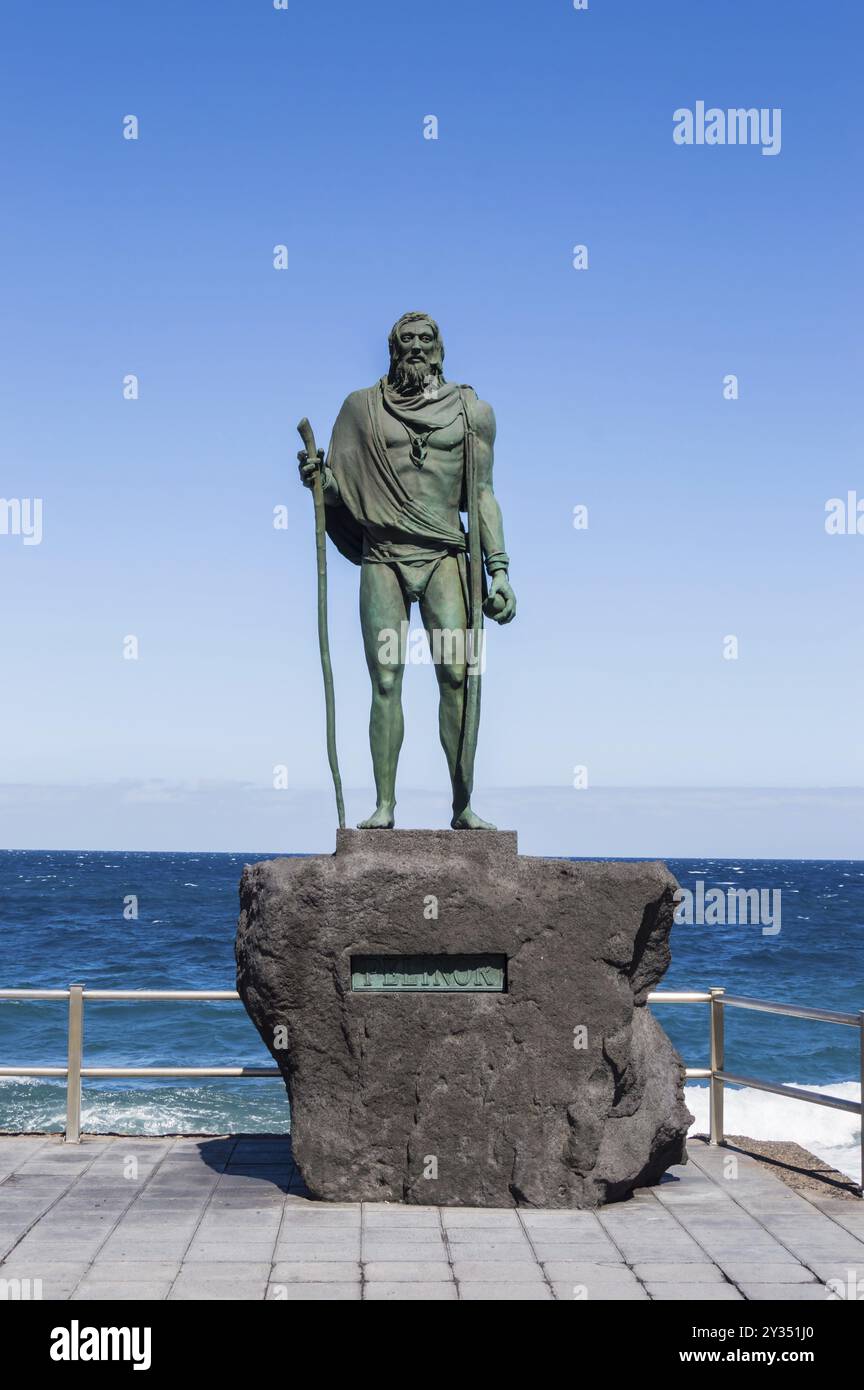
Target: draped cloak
(373, 499)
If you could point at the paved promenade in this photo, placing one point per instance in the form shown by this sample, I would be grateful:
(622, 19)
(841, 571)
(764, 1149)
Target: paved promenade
(226, 1218)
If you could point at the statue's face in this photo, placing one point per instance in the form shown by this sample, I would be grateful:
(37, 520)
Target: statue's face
(418, 348)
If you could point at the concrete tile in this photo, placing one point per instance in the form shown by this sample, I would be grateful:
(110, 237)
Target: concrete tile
(73, 1221)
(589, 1252)
(505, 1293)
(828, 1253)
(784, 1293)
(771, 1272)
(262, 1196)
(576, 1220)
(407, 1271)
(385, 1208)
(497, 1272)
(250, 1175)
(130, 1250)
(292, 1246)
(333, 1292)
(50, 1164)
(634, 1251)
(600, 1293)
(848, 1274)
(240, 1281)
(506, 1243)
(693, 1293)
(252, 1222)
(390, 1246)
(260, 1158)
(592, 1275)
(37, 1249)
(402, 1218)
(316, 1272)
(226, 1252)
(675, 1272)
(20, 1146)
(484, 1218)
(128, 1282)
(36, 1185)
(400, 1293)
(341, 1219)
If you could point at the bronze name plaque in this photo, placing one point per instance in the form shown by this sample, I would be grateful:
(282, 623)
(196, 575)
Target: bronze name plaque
(474, 974)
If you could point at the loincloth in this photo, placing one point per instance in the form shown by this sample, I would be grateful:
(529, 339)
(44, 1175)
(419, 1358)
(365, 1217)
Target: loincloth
(414, 565)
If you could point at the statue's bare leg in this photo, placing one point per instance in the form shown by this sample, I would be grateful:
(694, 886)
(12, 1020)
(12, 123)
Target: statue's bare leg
(442, 609)
(383, 608)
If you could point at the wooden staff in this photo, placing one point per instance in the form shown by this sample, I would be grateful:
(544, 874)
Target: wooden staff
(304, 429)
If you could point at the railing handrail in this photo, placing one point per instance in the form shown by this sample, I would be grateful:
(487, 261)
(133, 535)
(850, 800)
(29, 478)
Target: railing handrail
(771, 1006)
(121, 993)
(717, 1076)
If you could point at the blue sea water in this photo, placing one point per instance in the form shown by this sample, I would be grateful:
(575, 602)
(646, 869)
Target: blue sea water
(62, 921)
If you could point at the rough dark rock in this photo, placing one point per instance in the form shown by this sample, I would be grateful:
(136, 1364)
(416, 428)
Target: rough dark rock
(489, 1085)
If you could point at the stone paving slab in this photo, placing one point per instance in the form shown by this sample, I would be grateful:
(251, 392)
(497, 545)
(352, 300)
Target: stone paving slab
(224, 1218)
(330, 1291)
(421, 1293)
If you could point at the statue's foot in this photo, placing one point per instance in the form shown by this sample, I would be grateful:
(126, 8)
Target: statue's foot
(380, 819)
(469, 820)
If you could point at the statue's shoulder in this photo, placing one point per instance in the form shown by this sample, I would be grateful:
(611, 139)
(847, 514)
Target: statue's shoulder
(359, 400)
(482, 413)
(354, 411)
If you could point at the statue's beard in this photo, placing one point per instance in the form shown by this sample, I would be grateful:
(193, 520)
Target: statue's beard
(411, 379)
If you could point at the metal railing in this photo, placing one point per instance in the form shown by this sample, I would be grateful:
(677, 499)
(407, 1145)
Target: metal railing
(718, 1001)
(75, 1070)
(716, 1074)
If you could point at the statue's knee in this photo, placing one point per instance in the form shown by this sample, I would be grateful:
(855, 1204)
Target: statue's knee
(387, 680)
(451, 677)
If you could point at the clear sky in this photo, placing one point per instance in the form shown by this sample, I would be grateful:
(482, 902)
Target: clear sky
(305, 127)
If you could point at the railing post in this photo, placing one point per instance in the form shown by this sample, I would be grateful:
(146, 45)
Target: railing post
(718, 1063)
(75, 1048)
(861, 1146)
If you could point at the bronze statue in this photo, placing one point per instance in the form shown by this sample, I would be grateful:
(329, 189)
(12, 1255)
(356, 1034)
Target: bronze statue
(407, 456)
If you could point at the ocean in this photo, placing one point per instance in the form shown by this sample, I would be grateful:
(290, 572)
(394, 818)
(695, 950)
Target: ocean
(67, 917)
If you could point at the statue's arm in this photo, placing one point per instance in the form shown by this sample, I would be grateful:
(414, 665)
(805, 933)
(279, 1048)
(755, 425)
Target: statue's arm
(330, 487)
(308, 469)
(491, 520)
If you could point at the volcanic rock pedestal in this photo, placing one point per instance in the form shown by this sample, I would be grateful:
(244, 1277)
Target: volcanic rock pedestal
(458, 1024)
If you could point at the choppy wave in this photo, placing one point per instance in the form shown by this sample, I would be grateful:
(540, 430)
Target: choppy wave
(29, 1104)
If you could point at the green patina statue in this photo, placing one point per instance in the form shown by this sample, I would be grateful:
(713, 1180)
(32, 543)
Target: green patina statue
(407, 456)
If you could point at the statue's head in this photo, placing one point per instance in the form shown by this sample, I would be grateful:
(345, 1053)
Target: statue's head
(416, 353)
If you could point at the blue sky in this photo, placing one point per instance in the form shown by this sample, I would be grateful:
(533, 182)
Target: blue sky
(305, 127)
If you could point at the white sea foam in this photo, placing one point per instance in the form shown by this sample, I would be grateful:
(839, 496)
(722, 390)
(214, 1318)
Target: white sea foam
(833, 1135)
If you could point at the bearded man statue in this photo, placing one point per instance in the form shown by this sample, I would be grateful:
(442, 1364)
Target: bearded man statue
(407, 457)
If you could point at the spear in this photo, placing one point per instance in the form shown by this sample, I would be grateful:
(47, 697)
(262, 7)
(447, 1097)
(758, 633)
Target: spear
(304, 429)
